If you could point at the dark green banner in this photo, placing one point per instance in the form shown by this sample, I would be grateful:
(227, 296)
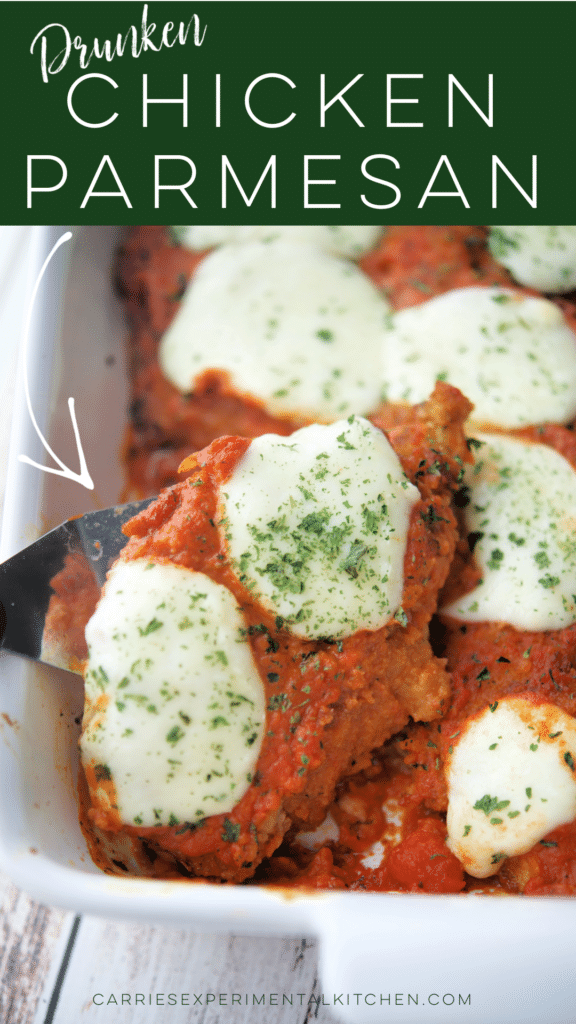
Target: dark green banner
(300, 112)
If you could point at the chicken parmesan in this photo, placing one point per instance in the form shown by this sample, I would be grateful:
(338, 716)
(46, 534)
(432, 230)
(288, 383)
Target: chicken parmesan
(243, 659)
(339, 650)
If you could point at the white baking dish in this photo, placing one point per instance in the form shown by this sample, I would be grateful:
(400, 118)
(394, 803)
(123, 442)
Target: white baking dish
(472, 959)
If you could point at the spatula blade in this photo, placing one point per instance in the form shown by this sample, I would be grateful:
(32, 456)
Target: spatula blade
(70, 561)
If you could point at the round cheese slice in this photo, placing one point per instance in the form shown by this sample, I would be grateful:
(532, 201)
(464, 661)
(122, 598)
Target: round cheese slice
(292, 326)
(340, 240)
(537, 256)
(521, 516)
(512, 355)
(174, 702)
(317, 524)
(511, 780)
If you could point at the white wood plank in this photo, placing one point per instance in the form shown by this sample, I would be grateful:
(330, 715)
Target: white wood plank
(33, 937)
(112, 961)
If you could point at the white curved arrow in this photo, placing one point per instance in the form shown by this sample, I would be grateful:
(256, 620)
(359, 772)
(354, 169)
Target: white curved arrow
(83, 477)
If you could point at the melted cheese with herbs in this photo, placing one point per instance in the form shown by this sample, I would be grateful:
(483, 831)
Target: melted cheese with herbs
(339, 240)
(513, 356)
(522, 516)
(174, 702)
(511, 780)
(317, 524)
(538, 257)
(292, 326)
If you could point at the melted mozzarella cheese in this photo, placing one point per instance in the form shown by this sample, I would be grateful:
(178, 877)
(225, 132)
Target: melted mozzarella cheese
(317, 524)
(174, 702)
(337, 239)
(513, 356)
(511, 780)
(538, 257)
(292, 326)
(521, 513)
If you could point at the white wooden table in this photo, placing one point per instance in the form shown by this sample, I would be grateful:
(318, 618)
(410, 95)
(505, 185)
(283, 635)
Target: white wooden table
(59, 968)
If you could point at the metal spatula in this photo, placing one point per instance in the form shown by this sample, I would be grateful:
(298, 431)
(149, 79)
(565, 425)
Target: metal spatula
(85, 547)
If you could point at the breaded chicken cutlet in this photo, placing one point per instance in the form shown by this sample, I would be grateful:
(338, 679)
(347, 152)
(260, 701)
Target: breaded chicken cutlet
(338, 669)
